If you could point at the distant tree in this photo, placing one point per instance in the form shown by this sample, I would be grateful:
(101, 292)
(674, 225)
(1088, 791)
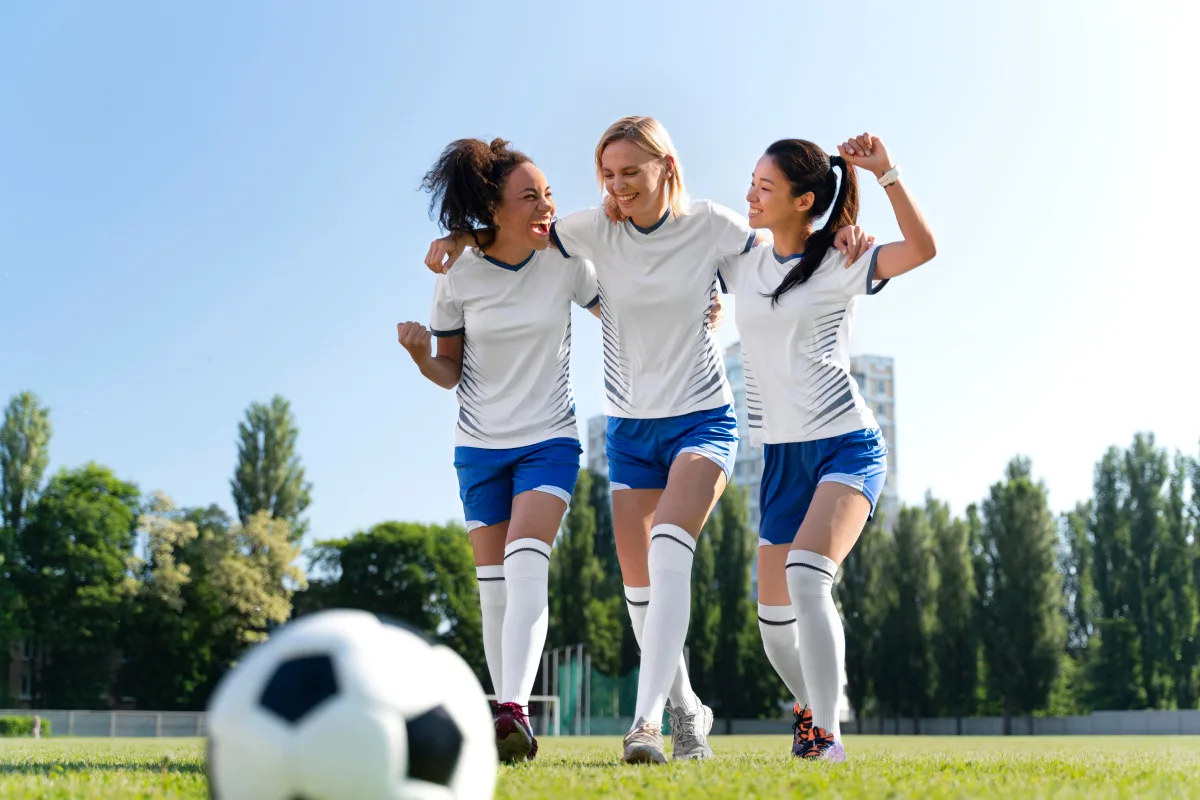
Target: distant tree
(1115, 670)
(732, 560)
(76, 549)
(1080, 606)
(864, 597)
(1146, 472)
(906, 677)
(955, 639)
(706, 611)
(24, 455)
(1024, 633)
(1180, 654)
(207, 589)
(269, 476)
(421, 574)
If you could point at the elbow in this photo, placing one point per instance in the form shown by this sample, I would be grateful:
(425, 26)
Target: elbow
(928, 250)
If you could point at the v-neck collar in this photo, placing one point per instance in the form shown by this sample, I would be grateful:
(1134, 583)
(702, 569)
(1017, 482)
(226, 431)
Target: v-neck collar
(509, 267)
(652, 228)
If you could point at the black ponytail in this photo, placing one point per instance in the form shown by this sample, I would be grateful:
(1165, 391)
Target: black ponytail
(466, 185)
(809, 169)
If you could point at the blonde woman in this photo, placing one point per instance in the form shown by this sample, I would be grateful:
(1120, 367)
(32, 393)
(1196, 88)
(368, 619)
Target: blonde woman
(672, 434)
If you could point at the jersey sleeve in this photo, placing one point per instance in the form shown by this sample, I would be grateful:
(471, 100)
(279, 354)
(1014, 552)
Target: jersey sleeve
(578, 234)
(859, 277)
(584, 286)
(728, 272)
(732, 230)
(446, 317)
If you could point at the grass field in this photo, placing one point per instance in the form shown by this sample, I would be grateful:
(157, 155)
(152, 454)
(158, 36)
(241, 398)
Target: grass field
(746, 767)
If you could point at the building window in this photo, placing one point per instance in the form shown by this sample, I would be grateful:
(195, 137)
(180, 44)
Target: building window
(880, 387)
(26, 688)
(27, 650)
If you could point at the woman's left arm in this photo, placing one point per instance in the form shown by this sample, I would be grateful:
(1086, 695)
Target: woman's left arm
(917, 245)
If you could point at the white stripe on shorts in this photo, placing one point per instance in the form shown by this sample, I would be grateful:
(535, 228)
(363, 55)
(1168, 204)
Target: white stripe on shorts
(853, 481)
(554, 490)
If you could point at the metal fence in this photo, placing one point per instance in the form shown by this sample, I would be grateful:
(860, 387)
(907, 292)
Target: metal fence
(550, 721)
(1098, 723)
(118, 723)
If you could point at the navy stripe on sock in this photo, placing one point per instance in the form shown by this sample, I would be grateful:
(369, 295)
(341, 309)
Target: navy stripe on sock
(810, 566)
(776, 622)
(527, 550)
(691, 548)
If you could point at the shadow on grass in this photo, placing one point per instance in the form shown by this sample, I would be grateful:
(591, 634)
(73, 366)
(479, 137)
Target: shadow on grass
(66, 767)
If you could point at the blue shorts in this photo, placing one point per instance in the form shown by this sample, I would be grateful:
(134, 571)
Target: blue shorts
(792, 471)
(489, 479)
(640, 451)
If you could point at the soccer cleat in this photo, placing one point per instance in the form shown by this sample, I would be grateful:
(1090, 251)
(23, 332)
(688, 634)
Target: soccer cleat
(515, 741)
(802, 730)
(644, 744)
(825, 748)
(689, 733)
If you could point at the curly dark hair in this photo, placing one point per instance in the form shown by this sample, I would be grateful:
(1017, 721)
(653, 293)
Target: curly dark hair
(467, 185)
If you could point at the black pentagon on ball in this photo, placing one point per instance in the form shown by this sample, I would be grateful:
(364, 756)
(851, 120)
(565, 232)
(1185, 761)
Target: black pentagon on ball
(298, 686)
(434, 745)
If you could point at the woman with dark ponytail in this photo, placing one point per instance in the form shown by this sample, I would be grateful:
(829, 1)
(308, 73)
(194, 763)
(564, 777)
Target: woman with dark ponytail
(825, 457)
(502, 319)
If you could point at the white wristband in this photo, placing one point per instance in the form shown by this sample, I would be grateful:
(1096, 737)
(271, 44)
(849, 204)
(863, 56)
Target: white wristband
(889, 177)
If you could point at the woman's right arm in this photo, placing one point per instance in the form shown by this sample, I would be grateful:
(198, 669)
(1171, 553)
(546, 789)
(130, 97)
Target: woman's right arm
(450, 246)
(444, 368)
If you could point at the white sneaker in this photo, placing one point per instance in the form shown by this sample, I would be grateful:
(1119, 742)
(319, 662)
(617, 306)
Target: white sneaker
(689, 733)
(644, 744)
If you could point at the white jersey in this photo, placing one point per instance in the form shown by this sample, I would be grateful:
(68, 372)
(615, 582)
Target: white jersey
(796, 354)
(661, 358)
(515, 321)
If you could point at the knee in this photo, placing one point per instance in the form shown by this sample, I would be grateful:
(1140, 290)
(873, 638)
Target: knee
(671, 550)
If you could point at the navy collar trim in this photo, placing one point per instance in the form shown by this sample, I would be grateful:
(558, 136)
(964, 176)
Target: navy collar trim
(510, 267)
(784, 259)
(653, 227)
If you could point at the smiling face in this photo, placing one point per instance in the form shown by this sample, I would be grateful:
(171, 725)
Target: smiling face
(526, 210)
(770, 197)
(636, 179)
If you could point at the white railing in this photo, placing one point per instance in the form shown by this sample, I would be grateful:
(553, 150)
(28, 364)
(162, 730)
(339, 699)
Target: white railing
(118, 723)
(194, 723)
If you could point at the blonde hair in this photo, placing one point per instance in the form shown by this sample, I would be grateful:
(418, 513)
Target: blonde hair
(650, 135)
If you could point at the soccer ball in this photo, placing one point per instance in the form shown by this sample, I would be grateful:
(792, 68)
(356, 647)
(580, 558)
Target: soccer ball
(342, 705)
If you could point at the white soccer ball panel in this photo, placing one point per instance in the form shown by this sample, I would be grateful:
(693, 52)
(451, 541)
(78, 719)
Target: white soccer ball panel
(463, 697)
(348, 749)
(249, 760)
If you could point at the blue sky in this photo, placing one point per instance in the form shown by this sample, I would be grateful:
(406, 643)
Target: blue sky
(202, 205)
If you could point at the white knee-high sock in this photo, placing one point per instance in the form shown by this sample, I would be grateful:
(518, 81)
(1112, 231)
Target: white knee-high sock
(492, 600)
(822, 638)
(681, 695)
(527, 573)
(781, 640)
(665, 630)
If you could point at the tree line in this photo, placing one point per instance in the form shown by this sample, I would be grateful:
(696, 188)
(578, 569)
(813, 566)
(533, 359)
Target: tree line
(115, 598)
(1008, 609)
